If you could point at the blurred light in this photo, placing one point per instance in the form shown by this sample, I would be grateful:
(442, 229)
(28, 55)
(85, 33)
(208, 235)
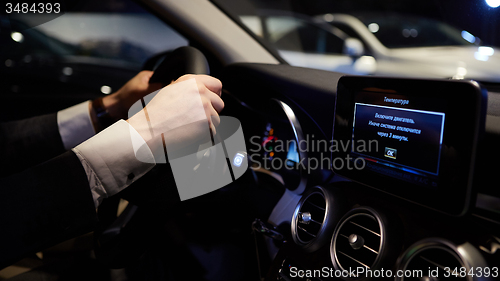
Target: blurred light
(486, 51)
(461, 72)
(483, 53)
(373, 27)
(480, 57)
(106, 90)
(468, 37)
(328, 17)
(406, 33)
(493, 3)
(9, 63)
(67, 71)
(238, 159)
(413, 32)
(17, 36)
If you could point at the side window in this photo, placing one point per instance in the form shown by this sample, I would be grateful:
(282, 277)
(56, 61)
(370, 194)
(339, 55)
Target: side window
(80, 55)
(110, 29)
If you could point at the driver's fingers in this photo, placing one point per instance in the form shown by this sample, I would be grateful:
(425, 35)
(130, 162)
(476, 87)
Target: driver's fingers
(145, 75)
(211, 83)
(212, 128)
(216, 101)
(213, 117)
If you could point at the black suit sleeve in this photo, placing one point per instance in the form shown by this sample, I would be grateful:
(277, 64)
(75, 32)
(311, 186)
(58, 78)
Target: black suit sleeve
(26, 143)
(44, 205)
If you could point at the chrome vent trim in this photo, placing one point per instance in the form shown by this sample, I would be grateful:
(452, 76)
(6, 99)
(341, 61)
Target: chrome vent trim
(437, 253)
(315, 217)
(358, 240)
(314, 206)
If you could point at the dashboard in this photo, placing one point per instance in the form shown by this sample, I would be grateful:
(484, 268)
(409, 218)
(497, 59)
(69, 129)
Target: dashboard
(424, 206)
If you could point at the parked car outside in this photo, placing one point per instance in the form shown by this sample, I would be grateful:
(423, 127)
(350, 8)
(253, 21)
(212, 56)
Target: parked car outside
(377, 44)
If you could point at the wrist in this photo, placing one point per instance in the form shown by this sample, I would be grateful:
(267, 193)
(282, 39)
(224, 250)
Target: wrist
(103, 113)
(155, 143)
(141, 125)
(114, 106)
(93, 118)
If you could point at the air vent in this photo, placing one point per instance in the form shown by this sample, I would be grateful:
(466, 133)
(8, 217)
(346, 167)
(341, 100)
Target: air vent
(314, 218)
(429, 258)
(358, 241)
(309, 217)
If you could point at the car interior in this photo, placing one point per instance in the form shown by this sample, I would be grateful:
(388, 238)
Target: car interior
(349, 177)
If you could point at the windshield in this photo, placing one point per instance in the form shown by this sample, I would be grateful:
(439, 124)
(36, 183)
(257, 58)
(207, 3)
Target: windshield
(403, 31)
(432, 39)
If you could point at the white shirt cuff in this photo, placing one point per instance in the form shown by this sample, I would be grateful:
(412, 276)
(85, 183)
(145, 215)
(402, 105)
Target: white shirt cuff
(114, 159)
(75, 125)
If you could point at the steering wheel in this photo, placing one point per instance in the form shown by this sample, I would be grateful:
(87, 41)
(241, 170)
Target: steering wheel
(121, 240)
(169, 66)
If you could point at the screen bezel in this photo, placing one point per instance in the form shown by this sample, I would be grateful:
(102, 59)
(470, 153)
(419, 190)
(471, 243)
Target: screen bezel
(465, 105)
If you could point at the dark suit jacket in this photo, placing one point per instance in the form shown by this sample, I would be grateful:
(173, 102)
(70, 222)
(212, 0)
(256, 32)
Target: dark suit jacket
(44, 193)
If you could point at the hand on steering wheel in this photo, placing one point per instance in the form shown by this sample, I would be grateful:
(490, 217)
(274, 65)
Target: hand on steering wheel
(121, 240)
(183, 113)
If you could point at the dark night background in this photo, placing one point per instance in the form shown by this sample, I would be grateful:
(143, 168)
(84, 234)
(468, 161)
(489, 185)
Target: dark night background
(475, 16)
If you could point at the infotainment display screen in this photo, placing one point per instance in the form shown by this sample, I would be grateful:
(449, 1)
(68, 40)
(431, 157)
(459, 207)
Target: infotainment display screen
(409, 139)
(412, 138)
